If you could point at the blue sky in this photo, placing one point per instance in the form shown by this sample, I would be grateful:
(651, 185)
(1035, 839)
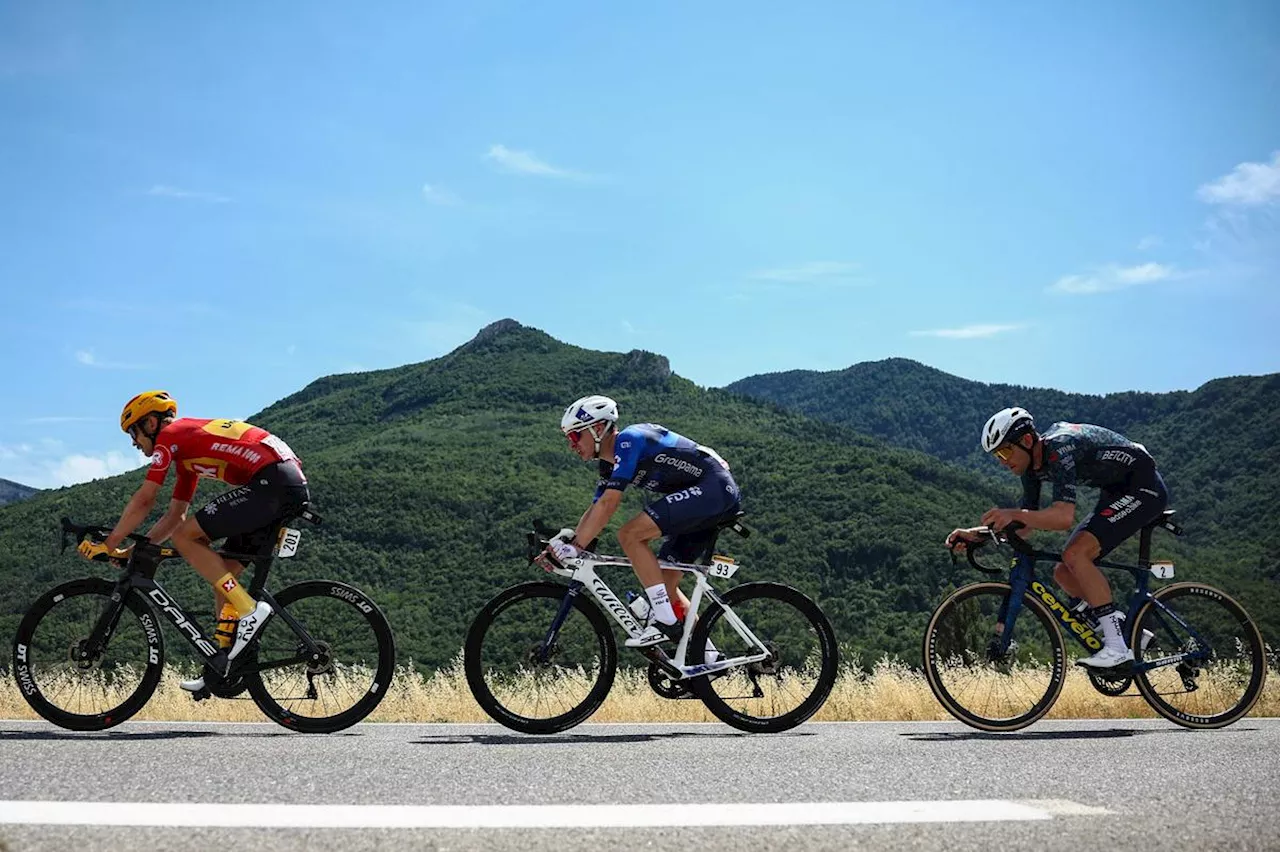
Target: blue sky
(230, 201)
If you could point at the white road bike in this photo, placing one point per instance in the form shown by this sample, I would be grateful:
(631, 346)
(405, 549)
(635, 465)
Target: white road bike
(540, 657)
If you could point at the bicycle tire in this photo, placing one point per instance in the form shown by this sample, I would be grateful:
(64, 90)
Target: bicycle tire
(1161, 626)
(823, 679)
(525, 637)
(356, 674)
(30, 647)
(938, 652)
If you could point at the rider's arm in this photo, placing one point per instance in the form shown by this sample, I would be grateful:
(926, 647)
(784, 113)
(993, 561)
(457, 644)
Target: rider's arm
(135, 513)
(173, 518)
(597, 517)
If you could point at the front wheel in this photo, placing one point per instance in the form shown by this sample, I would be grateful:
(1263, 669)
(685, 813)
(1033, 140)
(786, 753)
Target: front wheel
(1209, 656)
(343, 680)
(987, 680)
(782, 690)
(529, 678)
(70, 682)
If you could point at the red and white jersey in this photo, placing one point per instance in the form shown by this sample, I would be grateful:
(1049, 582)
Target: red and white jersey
(229, 450)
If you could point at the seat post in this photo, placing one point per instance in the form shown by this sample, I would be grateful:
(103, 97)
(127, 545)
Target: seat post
(1144, 546)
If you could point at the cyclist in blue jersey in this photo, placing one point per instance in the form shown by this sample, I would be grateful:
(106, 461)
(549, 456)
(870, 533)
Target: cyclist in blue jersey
(1132, 494)
(697, 493)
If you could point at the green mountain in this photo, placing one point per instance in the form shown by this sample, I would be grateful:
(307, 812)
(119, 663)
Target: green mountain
(12, 492)
(1218, 446)
(429, 474)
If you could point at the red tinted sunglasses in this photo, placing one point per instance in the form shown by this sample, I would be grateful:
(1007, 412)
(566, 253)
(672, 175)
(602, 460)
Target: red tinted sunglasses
(574, 437)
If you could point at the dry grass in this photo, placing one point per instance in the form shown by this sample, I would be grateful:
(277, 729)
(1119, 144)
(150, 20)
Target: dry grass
(890, 692)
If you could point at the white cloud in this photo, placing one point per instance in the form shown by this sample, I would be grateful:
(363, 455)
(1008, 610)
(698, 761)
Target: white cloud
(806, 273)
(526, 163)
(1148, 243)
(82, 468)
(968, 332)
(1114, 277)
(48, 464)
(89, 359)
(1248, 184)
(438, 196)
(161, 190)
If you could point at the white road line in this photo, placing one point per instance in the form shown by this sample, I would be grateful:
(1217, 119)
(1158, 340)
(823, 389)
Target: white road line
(529, 816)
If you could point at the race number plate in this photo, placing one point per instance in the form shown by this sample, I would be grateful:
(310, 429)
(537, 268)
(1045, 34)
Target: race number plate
(287, 544)
(722, 566)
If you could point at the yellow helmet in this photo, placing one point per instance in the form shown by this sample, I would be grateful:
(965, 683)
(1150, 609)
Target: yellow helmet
(150, 402)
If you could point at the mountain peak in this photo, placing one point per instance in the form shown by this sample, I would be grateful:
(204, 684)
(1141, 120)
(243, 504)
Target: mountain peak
(496, 329)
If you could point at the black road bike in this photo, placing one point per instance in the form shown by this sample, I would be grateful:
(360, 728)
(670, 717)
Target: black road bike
(89, 653)
(995, 659)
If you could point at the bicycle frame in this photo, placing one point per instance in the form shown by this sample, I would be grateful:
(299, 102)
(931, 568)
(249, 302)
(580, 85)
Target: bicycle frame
(140, 575)
(1022, 578)
(581, 573)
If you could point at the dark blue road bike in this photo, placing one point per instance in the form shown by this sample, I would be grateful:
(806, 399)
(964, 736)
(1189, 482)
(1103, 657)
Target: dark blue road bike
(995, 658)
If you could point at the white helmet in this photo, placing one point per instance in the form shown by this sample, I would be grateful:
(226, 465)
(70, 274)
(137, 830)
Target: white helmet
(589, 411)
(1007, 425)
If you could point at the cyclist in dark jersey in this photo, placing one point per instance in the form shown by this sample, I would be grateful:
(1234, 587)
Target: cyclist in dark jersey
(1132, 494)
(697, 493)
(269, 487)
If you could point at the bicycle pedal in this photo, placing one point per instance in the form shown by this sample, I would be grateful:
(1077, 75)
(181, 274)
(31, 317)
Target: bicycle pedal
(201, 694)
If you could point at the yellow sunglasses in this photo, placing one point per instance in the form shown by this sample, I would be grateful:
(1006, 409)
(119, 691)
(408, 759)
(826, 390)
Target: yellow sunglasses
(1004, 452)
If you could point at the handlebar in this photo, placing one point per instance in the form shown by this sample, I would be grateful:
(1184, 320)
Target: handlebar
(1006, 537)
(541, 536)
(72, 533)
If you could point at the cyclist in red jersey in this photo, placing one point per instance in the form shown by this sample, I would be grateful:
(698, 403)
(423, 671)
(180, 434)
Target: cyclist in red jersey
(270, 487)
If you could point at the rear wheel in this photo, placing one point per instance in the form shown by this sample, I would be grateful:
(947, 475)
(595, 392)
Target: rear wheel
(69, 682)
(786, 688)
(522, 682)
(978, 678)
(342, 683)
(1216, 662)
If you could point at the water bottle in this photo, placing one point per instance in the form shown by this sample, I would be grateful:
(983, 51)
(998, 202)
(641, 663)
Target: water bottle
(1082, 611)
(639, 606)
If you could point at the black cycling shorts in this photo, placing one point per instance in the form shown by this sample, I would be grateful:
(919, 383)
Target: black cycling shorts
(1124, 511)
(690, 517)
(246, 514)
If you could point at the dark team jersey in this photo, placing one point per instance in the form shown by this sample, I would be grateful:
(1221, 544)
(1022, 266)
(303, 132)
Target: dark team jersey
(656, 459)
(1083, 454)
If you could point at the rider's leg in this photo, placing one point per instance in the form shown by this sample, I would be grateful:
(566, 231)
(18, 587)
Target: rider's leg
(1066, 580)
(224, 613)
(636, 536)
(192, 543)
(1079, 556)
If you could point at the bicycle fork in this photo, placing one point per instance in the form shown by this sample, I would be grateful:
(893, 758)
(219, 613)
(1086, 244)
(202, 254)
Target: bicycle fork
(543, 651)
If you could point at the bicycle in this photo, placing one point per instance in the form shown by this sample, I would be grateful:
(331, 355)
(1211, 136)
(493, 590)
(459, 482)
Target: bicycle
(540, 656)
(89, 653)
(995, 659)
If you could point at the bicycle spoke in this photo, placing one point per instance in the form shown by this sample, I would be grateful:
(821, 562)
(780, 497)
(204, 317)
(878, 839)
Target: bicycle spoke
(1217, 664)
(973, 678)
(526, 684)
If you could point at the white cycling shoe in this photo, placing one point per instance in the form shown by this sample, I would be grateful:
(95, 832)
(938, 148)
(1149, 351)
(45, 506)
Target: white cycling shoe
(1107, 658)
(248, 629)
(655, 634)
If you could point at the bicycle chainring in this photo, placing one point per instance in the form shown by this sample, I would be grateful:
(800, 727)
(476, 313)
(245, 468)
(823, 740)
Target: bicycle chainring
(664, 686)
(1110, 685)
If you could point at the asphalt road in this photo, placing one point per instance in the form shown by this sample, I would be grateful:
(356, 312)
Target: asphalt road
(1060, 785)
